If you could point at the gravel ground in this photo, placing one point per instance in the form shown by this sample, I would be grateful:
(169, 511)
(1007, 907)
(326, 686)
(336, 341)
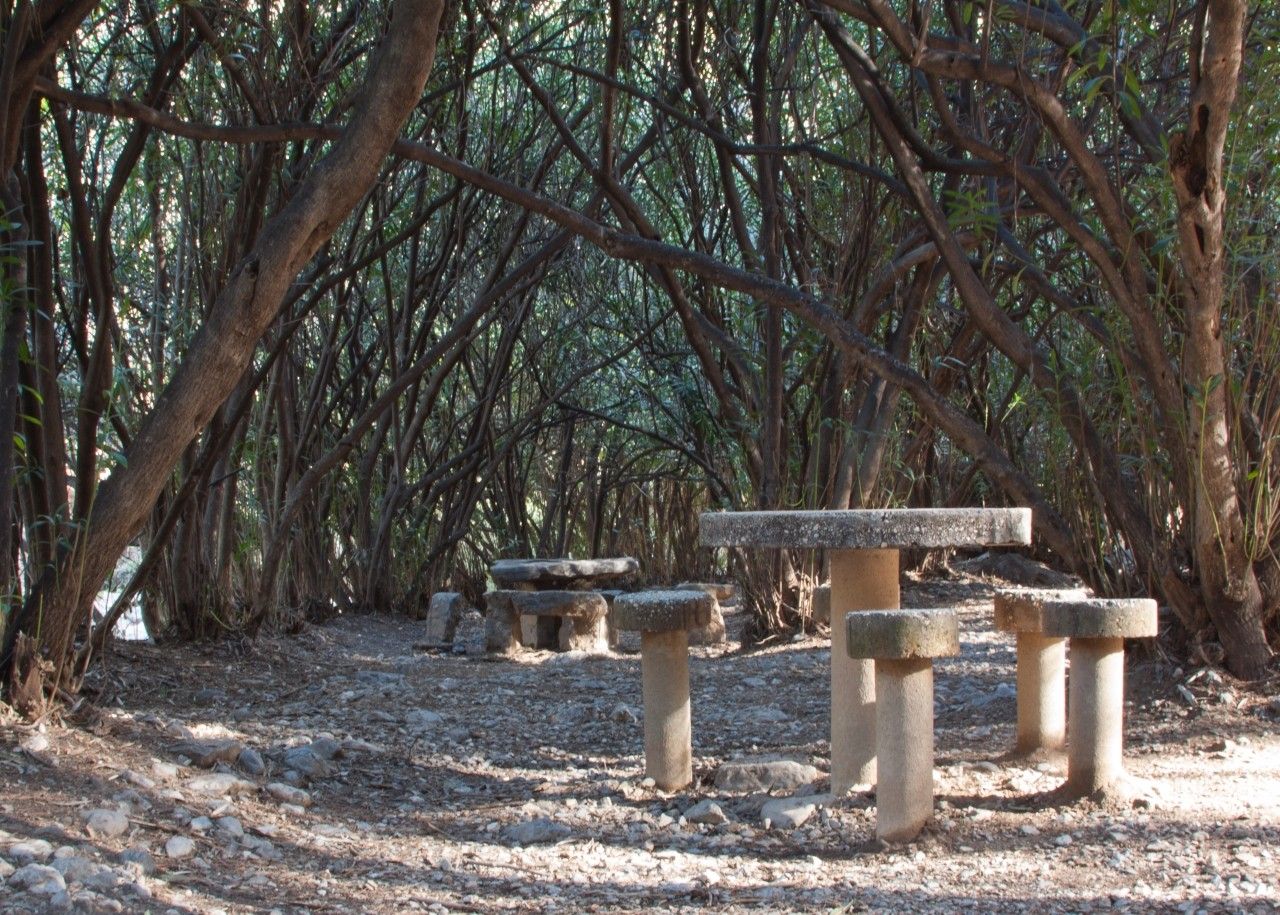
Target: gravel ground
(343, 771)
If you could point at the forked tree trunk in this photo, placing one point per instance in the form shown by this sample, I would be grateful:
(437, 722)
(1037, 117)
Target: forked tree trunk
(222, 349)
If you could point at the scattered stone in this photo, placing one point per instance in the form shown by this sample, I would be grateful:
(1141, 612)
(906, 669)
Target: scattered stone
(251, 761)
(219, 783)
(624, 714)
(36, 743)
(326, 748)
(381, 680)
(106, 824)
(201, 824)
(791, 812)
(288, 794)
(141, 857)
(764, 774)
(30, 850)
(306, 763)
(38, 879)
(422, 719)
(179, 847)
(145, 782)
(706, 812)
(535, 832)
(231, 826)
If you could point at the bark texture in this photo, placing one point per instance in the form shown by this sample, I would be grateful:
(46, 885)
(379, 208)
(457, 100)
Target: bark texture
(222, 349)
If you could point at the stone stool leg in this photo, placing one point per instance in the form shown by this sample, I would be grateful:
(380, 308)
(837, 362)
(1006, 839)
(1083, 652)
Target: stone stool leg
(904, 747)
(547, 632)
(860, 580)
(501, 628)
(585, 633)
(1095, 749)
(668, 746)
(1042, 692)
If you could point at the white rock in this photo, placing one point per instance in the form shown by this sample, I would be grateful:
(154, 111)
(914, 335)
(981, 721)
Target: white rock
(139, 856)
(179, 847)
(707, 812)
(288, 794)
(38, 879)
(219, 783)
(421, 719)
(30, 850)
(533, 832)
(764, 774)
(106, 824)
(791, 812)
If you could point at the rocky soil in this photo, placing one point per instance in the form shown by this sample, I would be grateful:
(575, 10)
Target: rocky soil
(343, 771)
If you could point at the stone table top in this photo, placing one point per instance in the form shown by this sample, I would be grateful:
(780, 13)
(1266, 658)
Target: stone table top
(868, 529)
(550, 572)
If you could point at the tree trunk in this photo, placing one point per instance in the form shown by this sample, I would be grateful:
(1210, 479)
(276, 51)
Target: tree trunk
(241, 314)
(1227, 580)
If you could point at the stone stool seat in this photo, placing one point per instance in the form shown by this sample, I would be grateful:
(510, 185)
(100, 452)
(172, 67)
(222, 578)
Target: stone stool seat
(1042, 667)
(1096, 629)
(903, 644)
(663, 619)
(587, 610)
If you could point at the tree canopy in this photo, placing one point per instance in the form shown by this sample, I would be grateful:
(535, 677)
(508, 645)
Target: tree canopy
(323, 307)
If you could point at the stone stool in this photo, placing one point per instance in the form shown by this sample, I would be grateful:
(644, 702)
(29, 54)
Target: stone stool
(586, 610)
(822, 604)
(713, 633)
(1097, 629)
(1042, 667)
(903, 644)
(443, 615)
(663, 619)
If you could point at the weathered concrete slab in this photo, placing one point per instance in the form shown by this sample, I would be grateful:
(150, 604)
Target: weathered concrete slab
(1099, 618)
(549, 572)
(859, 529)
(662, 611)
(902, 634)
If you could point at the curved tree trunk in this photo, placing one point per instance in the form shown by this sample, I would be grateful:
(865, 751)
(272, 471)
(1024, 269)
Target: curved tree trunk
(222, 349)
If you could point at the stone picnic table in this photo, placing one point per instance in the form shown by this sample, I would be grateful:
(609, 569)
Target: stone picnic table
(862, 546)
(555, 593)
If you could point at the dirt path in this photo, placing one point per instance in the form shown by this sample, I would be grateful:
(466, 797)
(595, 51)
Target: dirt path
(428, 773)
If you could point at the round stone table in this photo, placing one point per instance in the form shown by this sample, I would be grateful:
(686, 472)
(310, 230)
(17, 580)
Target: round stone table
(862, 547)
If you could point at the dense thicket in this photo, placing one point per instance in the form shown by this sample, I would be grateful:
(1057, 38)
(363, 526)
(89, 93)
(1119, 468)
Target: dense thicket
(623, 264)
